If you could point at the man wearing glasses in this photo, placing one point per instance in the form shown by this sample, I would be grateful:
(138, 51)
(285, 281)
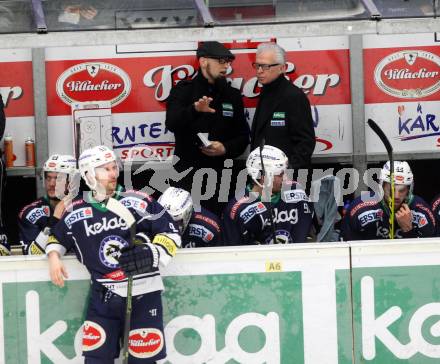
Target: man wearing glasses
(209, 105)
(283, 116)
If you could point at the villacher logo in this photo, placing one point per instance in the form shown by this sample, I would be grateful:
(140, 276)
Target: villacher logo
(409, 74)
(97, 81)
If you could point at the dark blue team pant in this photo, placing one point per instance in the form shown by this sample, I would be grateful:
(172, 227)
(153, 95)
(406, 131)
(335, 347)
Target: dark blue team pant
(104, 326)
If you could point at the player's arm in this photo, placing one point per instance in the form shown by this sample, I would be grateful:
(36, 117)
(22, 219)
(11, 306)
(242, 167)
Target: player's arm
(304, 223)
(180, 108)
(33, 238)
(57, 245)
(158, 232)
(350, 227)
(57, 270)
(416, 222)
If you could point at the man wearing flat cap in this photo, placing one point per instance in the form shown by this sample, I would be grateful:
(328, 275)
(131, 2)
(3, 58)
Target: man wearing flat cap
(207, 104)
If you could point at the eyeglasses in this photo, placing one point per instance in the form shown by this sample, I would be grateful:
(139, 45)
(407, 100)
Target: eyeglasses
(222, 60)
(264, 67)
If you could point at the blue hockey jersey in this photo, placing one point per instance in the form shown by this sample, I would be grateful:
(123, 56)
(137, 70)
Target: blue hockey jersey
(435, 206)
(33, 219)
(247, 221)
(203, 230)
(369, 219)
(97, 236)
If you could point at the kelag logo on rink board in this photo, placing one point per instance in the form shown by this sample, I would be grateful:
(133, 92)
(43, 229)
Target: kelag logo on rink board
(409, 74)
(226, 318)
(93, 81)
(400, 317)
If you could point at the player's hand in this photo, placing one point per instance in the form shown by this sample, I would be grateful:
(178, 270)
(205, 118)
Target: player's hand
(203, 105)
(215, 149)
(404, 218)
(57, 270)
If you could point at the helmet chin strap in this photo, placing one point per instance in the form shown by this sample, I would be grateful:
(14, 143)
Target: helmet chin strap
(99, 192)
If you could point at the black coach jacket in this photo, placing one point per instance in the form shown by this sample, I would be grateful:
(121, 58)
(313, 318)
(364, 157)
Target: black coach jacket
(283, 119)
(227, 125)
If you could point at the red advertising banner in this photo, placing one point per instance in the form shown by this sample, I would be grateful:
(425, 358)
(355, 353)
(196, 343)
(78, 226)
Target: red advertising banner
(402, 74)
(16, 88)
(143, 83)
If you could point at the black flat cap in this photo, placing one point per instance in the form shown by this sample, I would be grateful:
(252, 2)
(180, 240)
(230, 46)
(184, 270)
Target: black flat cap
(214, 50)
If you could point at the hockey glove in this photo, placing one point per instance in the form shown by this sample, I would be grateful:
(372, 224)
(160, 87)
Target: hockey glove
(138, 259)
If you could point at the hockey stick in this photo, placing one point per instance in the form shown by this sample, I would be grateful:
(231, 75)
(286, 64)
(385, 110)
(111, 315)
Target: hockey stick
(389, 149)
(263, 174)
(120, 210)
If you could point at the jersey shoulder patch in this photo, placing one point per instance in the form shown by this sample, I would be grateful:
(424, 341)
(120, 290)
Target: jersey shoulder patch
(236, 206)
(209, 221)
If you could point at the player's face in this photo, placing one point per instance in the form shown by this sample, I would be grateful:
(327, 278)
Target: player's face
(277, 183)
(107, 177)
(50, 182)
(400, 194)
(213, 69)
(273, 72)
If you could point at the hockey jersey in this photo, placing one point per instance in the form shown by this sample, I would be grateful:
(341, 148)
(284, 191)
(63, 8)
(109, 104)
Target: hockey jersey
(435, 207)
(203, 230)
(5, 249)
(97, 236)
(247, 220)
(369, 219)
(33, 220)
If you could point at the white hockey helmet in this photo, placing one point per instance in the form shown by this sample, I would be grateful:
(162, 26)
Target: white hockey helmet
(64, 164)
(274, 159)
(179, 205)
(402, 174)
(60, 164)
(93, 158)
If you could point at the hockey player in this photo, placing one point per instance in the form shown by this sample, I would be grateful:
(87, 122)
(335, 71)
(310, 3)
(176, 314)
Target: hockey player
(35, 219)
(369, 219)
(247, 220)
(101, 241)
(198, 229)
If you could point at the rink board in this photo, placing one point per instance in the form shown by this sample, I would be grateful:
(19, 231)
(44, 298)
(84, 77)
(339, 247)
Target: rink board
(278, 304)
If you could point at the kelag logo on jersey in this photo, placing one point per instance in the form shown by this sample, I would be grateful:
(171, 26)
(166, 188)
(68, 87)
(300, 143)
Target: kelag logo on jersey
(252, 210)
(408, 74)
(110, 250)
(370, 216)
(35, 214)
(97, 81)
(105, 225)
(78, 215)
(201, 232)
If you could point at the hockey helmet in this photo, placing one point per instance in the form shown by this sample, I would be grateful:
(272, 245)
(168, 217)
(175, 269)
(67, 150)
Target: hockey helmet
(402, 174)
(274, 159)
(93, 158)
(65, 166)
(60, 164)
(179, 205)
